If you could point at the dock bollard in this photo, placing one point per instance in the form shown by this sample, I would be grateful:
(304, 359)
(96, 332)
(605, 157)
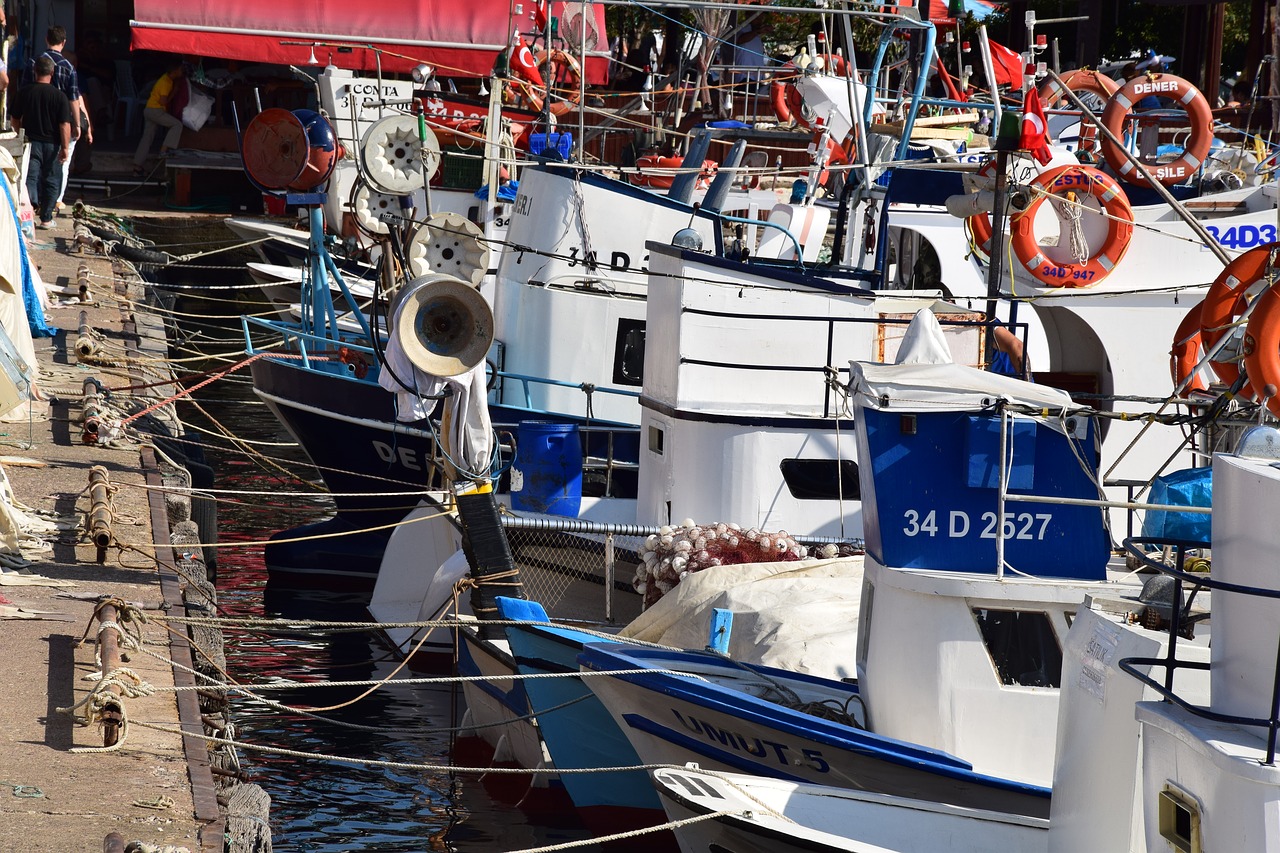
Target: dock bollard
(113, 843)
(86, 346)
(91, 411)
(82, 282)
(111, 712)
(100, 513)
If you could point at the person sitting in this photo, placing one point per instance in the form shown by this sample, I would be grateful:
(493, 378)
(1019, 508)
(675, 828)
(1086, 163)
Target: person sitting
(156, 115)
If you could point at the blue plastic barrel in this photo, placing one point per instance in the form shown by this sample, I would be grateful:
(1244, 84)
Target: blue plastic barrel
(549, 461)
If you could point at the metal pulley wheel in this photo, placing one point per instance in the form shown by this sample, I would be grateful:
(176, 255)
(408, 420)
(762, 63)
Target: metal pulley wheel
(395, 159)
(368, 205)
(448, 244)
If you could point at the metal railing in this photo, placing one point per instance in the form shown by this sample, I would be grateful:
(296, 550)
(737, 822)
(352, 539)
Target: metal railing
(1180, 619)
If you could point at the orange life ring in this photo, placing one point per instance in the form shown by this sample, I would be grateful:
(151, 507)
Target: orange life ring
(1261, 346)
(523, 91)
(980, 223)
(1079, 80)
(659, 172)
(788, 106)
(1166, 86)
(1228, 298)
(559, 66)
(1086, 181)
(1187, 351)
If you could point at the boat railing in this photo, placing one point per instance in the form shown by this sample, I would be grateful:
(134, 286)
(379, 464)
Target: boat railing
(1180, 621)
(308, 344)
(525, 381)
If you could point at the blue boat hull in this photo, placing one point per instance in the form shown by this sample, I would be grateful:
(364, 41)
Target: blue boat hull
(673, 720)
(579, 733)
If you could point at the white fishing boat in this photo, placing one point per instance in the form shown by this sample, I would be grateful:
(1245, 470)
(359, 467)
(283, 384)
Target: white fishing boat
(749, 814)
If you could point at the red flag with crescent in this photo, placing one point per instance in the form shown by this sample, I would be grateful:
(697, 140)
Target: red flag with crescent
(1035, 138)
(523, 63)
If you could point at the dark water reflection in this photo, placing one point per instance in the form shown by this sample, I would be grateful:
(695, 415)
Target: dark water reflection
(320, 805)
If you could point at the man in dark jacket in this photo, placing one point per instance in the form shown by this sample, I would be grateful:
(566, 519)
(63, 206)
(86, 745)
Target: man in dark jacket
(45, 114)
(67, 81)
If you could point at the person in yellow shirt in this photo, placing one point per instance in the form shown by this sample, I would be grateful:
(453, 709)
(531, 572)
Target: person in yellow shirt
(156, 115)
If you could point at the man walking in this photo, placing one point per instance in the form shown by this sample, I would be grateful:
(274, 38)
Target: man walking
(65, 79)
(45, 114)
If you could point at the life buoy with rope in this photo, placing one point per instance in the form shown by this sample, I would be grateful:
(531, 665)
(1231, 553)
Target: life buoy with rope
(788, 104)
(1073, 182)
(1187, 351)
(660, 172)
(1227, 300)
(1120, 107)
(1261, 348)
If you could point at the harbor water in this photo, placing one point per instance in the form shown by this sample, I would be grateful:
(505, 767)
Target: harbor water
(321, 803)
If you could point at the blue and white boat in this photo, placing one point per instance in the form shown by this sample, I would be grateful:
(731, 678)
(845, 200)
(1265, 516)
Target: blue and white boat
(959, 653)
(576, 729)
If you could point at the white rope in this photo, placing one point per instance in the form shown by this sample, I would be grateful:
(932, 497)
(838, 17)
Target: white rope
(635, 833)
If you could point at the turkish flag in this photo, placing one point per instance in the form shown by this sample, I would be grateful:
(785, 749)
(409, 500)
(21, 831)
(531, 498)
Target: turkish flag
(541, 13)
(523, 63)
(1034, 139)
(1006, 65)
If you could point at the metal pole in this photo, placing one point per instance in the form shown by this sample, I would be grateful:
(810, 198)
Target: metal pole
(100, 514)
(112, 712)
(1002, 491)
(999, 214)
(582, 83)
(610, 564)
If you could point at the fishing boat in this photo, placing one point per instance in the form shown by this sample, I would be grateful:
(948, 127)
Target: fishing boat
(732, 811)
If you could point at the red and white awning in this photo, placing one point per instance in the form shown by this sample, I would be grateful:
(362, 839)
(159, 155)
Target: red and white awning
(461, 38)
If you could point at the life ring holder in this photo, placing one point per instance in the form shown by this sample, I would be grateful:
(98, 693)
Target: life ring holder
(788, 104)
(1186, 352)
(1120, 107)
(1228, 298)
(1115, 206)
(1261, 347)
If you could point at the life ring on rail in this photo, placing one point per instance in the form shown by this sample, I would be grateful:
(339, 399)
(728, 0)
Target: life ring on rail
(1261, 346)
(660, 172)
(1187, 351)
(1079, 80)
(1084, 80)
(523, 93)
(1072, 180)
(1165, 86)
(564, 73)
(1228, 298)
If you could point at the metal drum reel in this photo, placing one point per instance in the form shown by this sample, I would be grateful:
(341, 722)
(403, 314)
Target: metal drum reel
(368, 205)
(448, 244)
(396, 161)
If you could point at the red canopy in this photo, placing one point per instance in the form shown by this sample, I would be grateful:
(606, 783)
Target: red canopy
(460, 38)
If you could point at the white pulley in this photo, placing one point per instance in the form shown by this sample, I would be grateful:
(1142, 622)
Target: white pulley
(395, 159)
(448, 244)
(368, 207)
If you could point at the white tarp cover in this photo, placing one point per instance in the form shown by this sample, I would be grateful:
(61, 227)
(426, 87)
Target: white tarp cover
(800, 616)
(13, 313)
(924, 380)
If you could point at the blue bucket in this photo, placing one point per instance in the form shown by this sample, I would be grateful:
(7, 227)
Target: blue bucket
(549, 462)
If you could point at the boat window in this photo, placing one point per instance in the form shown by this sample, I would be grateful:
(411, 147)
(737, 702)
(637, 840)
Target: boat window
(821, 479)
(1022, 646)
(628, 354)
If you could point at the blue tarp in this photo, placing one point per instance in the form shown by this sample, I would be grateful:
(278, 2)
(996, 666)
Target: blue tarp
(30, 299)
(1192, 487)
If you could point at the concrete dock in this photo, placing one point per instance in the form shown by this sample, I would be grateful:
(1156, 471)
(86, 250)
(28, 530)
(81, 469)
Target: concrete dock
(60, 789)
